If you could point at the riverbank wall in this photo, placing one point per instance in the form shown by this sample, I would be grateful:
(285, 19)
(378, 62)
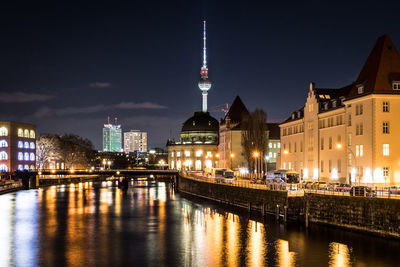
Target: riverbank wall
(378, 216)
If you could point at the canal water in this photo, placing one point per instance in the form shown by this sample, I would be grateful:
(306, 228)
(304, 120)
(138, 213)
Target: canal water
(149, 225)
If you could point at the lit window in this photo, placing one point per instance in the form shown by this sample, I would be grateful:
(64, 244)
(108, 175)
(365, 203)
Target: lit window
(327, 96)
(32, 145)
(3, 168)
(3, 155)
(279, 145)
(3, 131)
(32, 156)
(178, 154)
(270, 154)
(32, 167)
(172, 154)
(26, 133)
(385, 127)
(20, 133)
(198, 165)
(20, 156)
(26, 156)
(386, 149)
(32, 134)
(187, 153)
(172, 164)
(385, 172)
(20, 167)
(20, 144)
(396, 85)
(349, 139)
(361, 150)
(360, 89)
(270, 145)
(274, 155)
(26, 167)
(26, 145)
(3, 143)
(385, 106)
(198, 153)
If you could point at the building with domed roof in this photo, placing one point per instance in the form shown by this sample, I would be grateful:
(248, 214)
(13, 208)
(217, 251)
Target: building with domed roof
(197, 147)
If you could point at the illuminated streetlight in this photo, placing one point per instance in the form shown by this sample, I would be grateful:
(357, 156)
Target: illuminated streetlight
(285, 152)
(109, 164)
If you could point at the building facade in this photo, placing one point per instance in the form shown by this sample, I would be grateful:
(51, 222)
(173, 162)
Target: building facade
(197, 147)
(112, 138)
(274, 146)
(230, 147)
(135, 140)
(350, 134)
(17, 146)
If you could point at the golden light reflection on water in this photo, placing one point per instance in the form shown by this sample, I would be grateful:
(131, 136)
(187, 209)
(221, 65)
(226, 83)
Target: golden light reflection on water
(339, 255)
(256, 247)
(285, 258)
(232, 228)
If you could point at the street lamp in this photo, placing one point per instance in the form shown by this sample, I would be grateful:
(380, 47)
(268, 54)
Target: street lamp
(256, 154)
(109, 164)
(104, 164)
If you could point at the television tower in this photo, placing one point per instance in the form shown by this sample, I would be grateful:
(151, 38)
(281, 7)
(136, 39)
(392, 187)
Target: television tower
(204, 83)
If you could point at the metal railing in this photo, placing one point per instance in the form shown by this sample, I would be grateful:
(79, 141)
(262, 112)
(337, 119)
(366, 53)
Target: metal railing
(297, 189)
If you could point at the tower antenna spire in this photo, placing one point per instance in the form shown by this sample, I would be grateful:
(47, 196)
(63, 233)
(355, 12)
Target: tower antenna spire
(204, 44)
(204, 83)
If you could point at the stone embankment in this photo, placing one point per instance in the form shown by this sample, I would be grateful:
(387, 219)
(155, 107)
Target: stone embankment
(367, 214)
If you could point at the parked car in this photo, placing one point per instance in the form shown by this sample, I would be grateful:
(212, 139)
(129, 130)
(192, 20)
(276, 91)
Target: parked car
(307, 185)
(361, 191)
(393, 189)
(343, 188)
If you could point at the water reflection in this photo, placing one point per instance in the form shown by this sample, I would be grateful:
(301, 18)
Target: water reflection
(100, 225)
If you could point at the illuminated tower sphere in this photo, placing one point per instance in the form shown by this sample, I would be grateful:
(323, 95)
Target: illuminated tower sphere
(204, 83)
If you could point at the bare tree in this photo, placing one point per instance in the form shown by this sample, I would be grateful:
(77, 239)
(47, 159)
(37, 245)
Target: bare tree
(47, 147)
(254, 136)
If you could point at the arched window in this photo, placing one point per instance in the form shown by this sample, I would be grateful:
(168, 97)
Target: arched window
(3, 143)
(3, 155)
(20, 156)
(20, 167)
(26, 133)
(3, 131)
(20, 144)
(32, 167)
(26, 167)
(32, 145)
(3, 168)
(32, 134)
(26, 145)
(20, 132)
(32, 156)
(26, 156)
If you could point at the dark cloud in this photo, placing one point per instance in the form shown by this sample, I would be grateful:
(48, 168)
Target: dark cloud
(100, 85)
(21, 97)
(48, 112)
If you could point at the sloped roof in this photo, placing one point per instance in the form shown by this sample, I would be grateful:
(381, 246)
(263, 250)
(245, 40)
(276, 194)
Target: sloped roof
(381, 68)
(274, 131)
(237, 110)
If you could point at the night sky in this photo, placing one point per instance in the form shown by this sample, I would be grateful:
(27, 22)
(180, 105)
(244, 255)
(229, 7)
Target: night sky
(66, 67)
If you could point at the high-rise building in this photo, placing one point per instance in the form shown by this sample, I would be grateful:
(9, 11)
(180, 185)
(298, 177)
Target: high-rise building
(350, 134)
(135, 140)
(112, 138)
(17, 146)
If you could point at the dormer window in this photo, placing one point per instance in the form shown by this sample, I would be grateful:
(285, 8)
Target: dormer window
(360, 89)
(327, 96)
(334, 103)
(396, 85)
(292, 116)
